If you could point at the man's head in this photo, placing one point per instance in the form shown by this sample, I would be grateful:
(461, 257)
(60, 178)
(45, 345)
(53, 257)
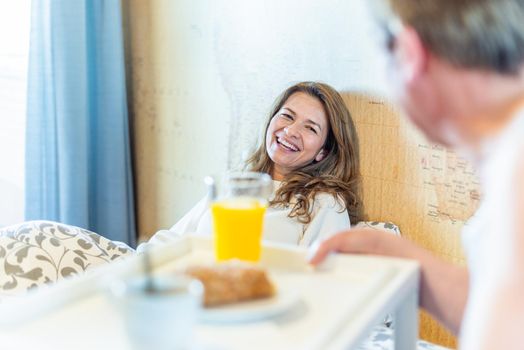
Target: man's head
(436, 45)
(482, 34)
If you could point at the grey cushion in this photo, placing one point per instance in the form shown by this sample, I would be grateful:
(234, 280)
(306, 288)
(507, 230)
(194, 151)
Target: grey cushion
(36, 253)
(377, 225)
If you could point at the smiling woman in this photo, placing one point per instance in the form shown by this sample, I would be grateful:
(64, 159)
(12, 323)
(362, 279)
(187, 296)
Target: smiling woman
(310, 149)
(311, 145)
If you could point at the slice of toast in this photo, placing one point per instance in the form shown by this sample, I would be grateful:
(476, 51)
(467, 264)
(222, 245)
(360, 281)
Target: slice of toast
(231, 282)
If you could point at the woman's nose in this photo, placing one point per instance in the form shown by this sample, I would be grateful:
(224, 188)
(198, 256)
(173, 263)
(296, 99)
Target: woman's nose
(290, 130)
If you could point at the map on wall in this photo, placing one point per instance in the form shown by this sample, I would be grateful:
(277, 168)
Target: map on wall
(428, 190)
(453, 180)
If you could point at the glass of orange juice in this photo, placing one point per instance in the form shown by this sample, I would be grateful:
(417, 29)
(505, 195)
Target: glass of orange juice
(238, 207)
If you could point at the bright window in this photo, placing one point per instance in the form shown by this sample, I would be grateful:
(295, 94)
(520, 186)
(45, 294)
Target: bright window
(14, 51)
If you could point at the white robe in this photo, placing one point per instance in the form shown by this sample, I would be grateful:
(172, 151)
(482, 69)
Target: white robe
(329, 216)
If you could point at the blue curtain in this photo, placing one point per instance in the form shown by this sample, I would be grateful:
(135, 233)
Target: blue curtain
(78, 161)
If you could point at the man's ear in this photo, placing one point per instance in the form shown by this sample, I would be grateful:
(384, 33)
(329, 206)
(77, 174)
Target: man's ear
(411, 54)
(321, 155)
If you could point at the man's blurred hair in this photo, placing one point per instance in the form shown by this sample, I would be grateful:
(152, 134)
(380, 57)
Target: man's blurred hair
(480, 34)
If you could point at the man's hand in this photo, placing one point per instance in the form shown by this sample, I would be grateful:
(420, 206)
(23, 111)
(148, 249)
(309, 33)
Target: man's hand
(358, 241)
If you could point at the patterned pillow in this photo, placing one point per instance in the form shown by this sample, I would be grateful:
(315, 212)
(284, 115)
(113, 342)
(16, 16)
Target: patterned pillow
(382, 338)
(37, 253)
(376, 225)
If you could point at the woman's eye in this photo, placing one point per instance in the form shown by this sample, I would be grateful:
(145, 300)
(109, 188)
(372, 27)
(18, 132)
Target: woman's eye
(287, 116)
(312, 129)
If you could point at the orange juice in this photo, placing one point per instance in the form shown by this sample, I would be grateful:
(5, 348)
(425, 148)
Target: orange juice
(238, 228)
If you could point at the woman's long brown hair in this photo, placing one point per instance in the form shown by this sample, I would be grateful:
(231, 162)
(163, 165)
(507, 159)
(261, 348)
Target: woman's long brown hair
(337, 174)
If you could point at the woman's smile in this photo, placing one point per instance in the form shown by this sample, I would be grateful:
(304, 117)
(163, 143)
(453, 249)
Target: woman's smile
(287, 145)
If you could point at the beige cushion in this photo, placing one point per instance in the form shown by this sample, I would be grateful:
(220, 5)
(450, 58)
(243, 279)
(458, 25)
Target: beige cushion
(36, 253)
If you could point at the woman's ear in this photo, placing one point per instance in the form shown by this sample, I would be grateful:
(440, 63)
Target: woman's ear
(321, 155)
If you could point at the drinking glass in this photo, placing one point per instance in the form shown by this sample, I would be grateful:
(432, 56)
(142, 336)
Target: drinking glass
(238, 206)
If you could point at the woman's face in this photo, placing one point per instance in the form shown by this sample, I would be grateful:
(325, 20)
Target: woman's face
(296, 134)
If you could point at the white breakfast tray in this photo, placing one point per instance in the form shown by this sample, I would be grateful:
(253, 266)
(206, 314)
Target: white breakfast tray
(329, 299)
(326, 300)
(330, 308)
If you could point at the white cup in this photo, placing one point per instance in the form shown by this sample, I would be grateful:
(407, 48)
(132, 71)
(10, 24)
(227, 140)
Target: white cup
(161, 317)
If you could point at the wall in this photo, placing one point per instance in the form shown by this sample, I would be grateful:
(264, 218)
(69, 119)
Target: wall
(180, 109)
(204, 73)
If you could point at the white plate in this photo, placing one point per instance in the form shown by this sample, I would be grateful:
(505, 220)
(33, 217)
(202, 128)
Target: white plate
(250, 311)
